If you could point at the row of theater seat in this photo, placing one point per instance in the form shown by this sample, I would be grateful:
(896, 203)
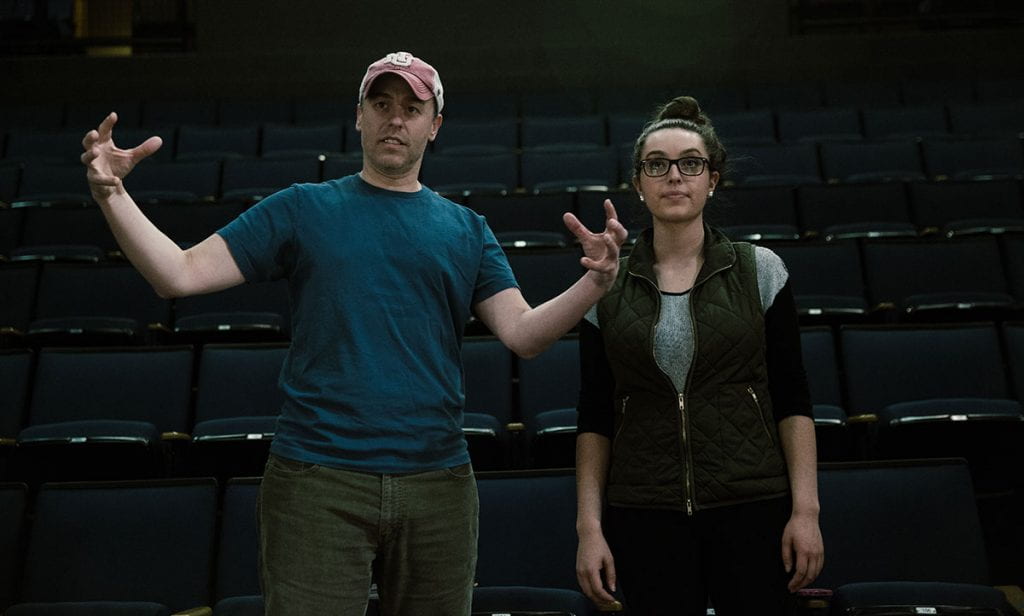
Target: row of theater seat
(877, 209)
(906, 536)
(53, 301)
(266, 138)
(225, 175)
(879, 391)
(717, 99)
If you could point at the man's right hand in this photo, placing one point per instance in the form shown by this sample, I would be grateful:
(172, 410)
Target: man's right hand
(106, 163)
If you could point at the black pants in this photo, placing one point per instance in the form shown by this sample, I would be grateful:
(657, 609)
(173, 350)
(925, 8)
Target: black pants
(671, 563)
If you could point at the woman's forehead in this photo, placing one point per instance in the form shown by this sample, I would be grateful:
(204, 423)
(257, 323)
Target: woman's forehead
(674, 140)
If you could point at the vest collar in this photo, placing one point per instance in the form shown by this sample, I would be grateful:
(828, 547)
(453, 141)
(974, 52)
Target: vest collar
(719, 254)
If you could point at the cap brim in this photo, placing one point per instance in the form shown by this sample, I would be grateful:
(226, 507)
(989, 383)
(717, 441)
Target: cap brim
(419, 88)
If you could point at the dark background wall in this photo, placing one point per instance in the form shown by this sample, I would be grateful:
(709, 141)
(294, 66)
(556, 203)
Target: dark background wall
(265, 48)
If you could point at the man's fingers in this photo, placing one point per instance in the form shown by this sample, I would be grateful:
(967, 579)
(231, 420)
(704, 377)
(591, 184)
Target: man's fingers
(609, 211)
(107, 126)
(575, 227)
(146, 148)
(90, 138)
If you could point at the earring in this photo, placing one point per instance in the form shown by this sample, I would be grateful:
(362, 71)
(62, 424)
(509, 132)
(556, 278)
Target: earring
(641, 197)
(711, 193)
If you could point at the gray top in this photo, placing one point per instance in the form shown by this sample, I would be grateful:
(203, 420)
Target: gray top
(673, 336)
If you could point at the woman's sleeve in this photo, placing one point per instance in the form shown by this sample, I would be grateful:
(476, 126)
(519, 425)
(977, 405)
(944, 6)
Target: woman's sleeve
(787, 379)
(597, 385)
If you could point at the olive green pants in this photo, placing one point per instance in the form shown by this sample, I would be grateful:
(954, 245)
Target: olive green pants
(325, 534)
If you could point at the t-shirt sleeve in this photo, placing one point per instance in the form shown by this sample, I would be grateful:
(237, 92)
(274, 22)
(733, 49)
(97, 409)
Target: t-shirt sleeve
(495, 273)
(261, 239)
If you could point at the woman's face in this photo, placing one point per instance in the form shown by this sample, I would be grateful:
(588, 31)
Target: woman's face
(675, 197)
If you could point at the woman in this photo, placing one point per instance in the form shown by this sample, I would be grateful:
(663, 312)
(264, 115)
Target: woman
(695, 434)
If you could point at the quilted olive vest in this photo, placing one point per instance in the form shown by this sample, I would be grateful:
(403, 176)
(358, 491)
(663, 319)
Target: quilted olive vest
(716, 443)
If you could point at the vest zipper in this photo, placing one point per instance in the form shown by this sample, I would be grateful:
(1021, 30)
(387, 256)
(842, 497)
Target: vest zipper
(686, 470)
(622, 423)
(760, 413)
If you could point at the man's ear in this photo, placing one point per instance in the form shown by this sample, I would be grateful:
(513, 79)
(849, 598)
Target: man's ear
(359, 117)
(438, 120)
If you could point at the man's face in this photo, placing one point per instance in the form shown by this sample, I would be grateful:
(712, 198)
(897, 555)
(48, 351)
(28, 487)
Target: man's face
(395, 126)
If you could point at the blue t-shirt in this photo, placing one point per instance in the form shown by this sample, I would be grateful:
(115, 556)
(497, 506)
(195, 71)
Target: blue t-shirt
(381, 285)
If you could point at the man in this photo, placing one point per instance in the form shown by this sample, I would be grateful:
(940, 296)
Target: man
(369, 473)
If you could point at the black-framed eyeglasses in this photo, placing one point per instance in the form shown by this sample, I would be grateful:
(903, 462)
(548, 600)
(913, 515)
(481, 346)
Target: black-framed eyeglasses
(687, 165)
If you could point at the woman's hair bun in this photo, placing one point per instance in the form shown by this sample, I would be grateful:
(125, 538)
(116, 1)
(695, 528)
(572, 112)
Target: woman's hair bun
(682, 108)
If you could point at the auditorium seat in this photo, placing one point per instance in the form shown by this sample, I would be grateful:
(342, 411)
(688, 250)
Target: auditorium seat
(788, 164)
(755, 213)
(250, 179)
(15, 379)
(744, 127)
(821, 362)
(625, 127)
(544, 273)
(1013, 338)
(827, 280)
(46, 183)
(851, 211)
(65, 232)
(828, 124)
(249, 312)
(335, 167)
(987, 119)
(631, 212)
(782, 96)
(236, 588)
(175, 112)
(875, 161)
(18, 282)
(973, 159)
(217, 142)
(301, 141)
(862, 93)
(10, 178)
(50, 147)
(463, 171)
(906, 536)
(933, 280)
(84, 116)
(128, 548)
(491, 425)
(570, 167)
(527, 544)
(253, 111)
(549, 386)
(237, 403)
(909, 121)
(477, 135)
(320, 111)
(918, 91)
(175, 182)
(97, 304)
(105, 413)
(14, 504)
(188, 224)
(562, 102)
(938, 390)
(525, 221)
(967, 207)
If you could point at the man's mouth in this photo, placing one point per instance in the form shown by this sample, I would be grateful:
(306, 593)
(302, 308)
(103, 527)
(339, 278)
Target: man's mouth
(392, 141)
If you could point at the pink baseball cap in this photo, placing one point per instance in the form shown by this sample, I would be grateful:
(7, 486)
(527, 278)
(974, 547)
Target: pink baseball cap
(421, 77)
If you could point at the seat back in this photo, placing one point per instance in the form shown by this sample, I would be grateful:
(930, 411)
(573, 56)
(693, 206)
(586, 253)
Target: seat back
(527, 529)
(237, 573)
(130, 541)
(900, 522)
(13, 526)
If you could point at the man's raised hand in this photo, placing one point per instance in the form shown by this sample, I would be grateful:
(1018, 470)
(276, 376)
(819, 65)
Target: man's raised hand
(106, 164)
(600, 250)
